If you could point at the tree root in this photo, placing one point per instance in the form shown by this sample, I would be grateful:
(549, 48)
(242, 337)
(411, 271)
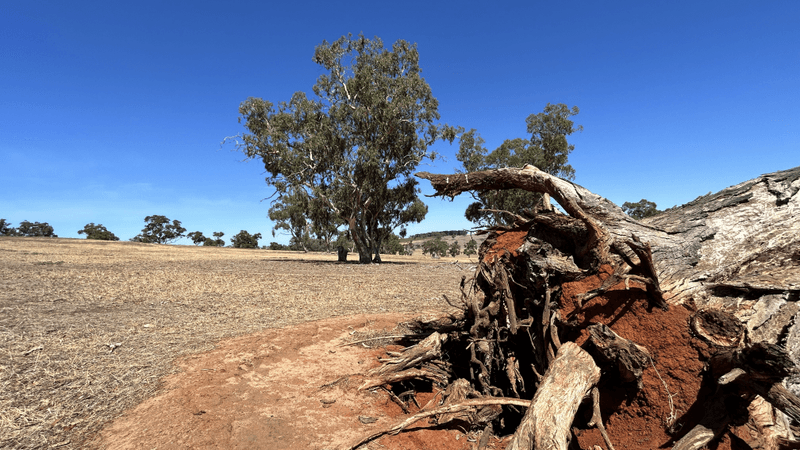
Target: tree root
(547, 422)
(466, 405)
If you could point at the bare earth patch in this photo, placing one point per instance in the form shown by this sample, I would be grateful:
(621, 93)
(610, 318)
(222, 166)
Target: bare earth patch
(90, 329)
(289, 389)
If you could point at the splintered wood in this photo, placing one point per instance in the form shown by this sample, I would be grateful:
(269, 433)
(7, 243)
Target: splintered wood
(557, 299)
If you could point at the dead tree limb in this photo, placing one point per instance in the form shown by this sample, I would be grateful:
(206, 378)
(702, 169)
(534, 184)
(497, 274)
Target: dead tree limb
(568, 381)
(745, 238)
(448, 409)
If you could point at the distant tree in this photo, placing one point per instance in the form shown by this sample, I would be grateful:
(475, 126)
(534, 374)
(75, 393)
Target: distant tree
(276, 246)
(34, 229)
(217, 241)
(471, 247)
(454, 249)
(435, 247)
(199, 239)
(245, 240)
(196, 237)
(159, 230)
(290, 212)
(391, 245)
(641, 209)
(547, 149)
(353, 145)
(6, 229)
(98, 232)
(408, 248)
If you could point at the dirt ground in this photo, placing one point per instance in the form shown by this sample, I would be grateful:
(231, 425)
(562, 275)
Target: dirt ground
(289, 389)
(90, 330)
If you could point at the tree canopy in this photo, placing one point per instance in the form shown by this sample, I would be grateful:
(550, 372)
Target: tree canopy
(435, 247)
(349, 148)
(199, 239)
(471, 247)
(159, 230)
(97, 232)
(641, 209)
(27, 229)
(243, 239)
(547, 149)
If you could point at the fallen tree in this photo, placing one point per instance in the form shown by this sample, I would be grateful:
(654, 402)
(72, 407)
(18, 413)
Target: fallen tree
(689, 317)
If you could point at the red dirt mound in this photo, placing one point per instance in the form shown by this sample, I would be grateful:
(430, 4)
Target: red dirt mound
(508, 242)
(639, 420)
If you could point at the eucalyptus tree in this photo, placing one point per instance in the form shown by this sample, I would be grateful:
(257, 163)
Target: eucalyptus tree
(352, 144)
(547, 149)
(641, 209)
(98, 232)
(159, 230)
(243, 239)
(290, 212)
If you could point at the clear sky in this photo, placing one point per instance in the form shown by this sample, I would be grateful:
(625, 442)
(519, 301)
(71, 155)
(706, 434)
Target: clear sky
(113, 111)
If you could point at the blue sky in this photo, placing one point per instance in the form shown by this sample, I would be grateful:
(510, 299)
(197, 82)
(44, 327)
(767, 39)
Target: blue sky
(112, 111)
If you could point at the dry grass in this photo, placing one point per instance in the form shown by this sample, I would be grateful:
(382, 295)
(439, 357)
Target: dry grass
(66, 304)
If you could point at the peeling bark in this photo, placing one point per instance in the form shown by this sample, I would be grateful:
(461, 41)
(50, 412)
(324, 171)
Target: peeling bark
(547, 422)
(732, 257)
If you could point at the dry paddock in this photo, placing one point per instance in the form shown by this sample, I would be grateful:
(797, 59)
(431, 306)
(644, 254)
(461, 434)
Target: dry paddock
(89, 328)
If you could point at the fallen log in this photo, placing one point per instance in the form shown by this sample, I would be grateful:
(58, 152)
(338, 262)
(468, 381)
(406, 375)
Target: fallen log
(653, 302)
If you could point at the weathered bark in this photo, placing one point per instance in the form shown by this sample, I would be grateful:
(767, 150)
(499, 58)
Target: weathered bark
(456, 408)
(713, 423)
(568, 381)
(733, 258)
(628, 357)
(742, 240)
(738, 249)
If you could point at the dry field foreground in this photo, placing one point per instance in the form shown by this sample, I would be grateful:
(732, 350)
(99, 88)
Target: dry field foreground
(89, 328)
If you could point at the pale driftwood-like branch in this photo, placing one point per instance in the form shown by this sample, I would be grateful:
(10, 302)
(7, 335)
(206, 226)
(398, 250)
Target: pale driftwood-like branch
(434, 376)
(447, 409)
(703, 251)
(425, 350)
(546, 425)
(529, 178)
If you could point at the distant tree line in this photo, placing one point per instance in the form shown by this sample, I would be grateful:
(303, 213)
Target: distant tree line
(26, 229)
(434, 234)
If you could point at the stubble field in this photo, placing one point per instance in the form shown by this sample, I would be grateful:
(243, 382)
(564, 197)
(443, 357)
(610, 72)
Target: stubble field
(89, 328)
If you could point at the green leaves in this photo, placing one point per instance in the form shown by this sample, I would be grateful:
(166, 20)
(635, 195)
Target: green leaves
(243, 239)
(346, 152)
(547, 149)
(29, 229)
(641, 209)
(98, 232)
(159, 230)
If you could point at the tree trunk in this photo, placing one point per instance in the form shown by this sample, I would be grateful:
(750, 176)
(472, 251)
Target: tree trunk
(360, 243)
(742, 243)
(721, 273)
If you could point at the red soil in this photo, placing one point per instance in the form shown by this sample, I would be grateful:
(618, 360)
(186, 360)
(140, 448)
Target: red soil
(640, 420)
(263, 390)
(267, 391)
(508, 242)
